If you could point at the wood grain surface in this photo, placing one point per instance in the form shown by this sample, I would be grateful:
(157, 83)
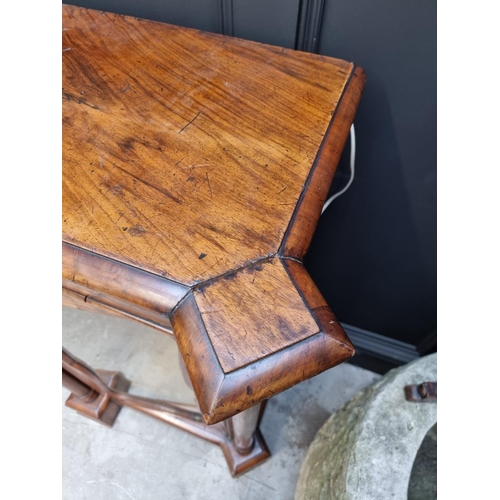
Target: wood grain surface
(195, 167)
(221, 395)
(189, 149)
(242, 333)
(90, 274)
(305, 219)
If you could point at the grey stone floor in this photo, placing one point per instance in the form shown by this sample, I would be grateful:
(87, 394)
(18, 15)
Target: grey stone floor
(141, 458)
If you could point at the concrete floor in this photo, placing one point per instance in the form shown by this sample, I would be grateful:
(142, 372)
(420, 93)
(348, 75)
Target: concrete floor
(141, 458)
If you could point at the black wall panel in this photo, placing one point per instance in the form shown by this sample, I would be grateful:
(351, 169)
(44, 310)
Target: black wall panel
(374, 254)
(199, 14)
(266, 21)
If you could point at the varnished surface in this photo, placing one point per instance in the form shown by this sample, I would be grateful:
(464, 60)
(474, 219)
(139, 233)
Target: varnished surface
(300, 231)
(221, 395)
(195, 167)
(100, 394)
(228, 311)
(191, 150)
(85, 271)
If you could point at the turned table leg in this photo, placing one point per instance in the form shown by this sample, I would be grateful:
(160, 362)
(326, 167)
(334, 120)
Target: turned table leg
(244, 426)
(245, 447)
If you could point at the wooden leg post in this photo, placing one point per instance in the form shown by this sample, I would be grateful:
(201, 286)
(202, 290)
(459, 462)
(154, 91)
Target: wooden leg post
(245, 447)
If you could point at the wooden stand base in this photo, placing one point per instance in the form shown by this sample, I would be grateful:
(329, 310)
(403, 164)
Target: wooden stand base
(99, 406)
(101, 394)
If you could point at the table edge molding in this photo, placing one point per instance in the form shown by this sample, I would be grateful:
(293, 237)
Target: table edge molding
(304, 220)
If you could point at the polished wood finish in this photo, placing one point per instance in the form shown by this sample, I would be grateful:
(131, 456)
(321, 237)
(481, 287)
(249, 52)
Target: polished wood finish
(93, 404)
(195, 167)
(85, 303)
(281, 314)
(78, 388)
(305, 218)
(221, 395)
(119, 286)
(186, 144)
(101, 394)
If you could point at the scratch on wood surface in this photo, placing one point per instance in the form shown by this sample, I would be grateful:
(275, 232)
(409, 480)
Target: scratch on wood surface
(66, 50)
(70, 97)
(189, 123)
(208, 180)
(153, 251)
(198, 165)
(163, 191)
(218, 260)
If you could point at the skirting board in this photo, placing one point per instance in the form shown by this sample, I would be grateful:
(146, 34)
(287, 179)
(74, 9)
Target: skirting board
(378, 353)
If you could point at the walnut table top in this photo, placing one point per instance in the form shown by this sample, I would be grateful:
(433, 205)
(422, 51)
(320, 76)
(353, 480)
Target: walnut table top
(195, 167)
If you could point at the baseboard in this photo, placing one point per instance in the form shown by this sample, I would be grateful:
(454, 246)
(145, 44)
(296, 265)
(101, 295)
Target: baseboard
(378, 353)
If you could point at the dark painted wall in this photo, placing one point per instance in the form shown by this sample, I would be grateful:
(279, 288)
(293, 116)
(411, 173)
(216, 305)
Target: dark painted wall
(374, 252)
(266, 21)
(198, 14)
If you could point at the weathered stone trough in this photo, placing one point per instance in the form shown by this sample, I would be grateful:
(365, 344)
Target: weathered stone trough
(366, 449)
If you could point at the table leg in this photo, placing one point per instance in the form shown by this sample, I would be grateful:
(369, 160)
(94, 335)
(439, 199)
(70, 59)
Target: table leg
(244, 427)
(101, 394)
(245, 447)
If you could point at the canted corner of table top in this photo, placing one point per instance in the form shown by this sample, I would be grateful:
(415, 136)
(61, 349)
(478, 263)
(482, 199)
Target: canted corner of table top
(253, 333)
(195, 167)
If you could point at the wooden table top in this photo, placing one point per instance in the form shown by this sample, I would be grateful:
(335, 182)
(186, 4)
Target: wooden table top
(195, 167)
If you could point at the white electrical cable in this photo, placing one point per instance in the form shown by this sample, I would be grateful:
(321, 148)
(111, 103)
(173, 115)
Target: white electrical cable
(353, 158)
